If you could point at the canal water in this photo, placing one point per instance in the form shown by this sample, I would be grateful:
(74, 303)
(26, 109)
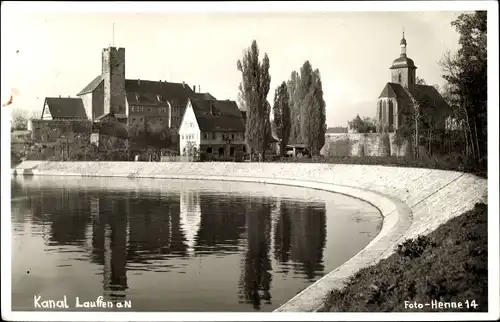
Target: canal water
(172, 245)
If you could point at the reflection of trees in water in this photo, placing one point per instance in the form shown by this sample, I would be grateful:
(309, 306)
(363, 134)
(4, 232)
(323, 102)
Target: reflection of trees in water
(67, 213)
(282, 233)
(222, 223)
(255, 283)
(115, 248)
(308, 238)
(155, 229)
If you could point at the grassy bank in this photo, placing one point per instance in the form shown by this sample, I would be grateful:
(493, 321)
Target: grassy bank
(448, 265)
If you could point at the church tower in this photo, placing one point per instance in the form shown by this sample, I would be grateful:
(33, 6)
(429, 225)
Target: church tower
(403, 69)
(113, 74)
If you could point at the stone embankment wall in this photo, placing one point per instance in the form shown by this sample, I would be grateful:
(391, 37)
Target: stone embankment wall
(412, 201)
(365, 144)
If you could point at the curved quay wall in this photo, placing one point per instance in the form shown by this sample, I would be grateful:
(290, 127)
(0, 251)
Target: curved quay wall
(412, 201)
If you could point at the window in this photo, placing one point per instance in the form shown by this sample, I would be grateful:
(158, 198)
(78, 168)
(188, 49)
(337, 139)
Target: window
(131, 109)
(149, 110)
(133, 119)
(209, 149)
(232, 136)
(182, 136)
(213, 136)
(205, 136)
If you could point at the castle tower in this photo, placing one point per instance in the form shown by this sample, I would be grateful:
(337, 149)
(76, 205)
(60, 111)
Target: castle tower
(403, 69)
(113, 73)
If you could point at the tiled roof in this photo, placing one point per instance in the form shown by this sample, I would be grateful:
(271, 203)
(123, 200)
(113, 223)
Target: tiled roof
(65, 107)
(214, 116)
(147, 92)
(426, 96)
(91, 86)
(204, 96)
(152, 92)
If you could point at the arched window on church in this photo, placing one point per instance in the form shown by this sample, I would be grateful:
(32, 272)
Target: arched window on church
(384, 112)
(380, 110)
(399, 77)
(391, 116)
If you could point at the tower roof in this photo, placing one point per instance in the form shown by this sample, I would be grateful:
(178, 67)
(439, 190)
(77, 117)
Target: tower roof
(403, 62)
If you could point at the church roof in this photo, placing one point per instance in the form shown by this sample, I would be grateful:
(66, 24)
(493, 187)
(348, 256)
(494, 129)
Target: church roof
(403, 62)
(225, 115)
(427, 96)
(65, 108)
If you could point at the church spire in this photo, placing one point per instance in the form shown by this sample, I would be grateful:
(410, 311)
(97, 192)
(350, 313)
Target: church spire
(403, 44)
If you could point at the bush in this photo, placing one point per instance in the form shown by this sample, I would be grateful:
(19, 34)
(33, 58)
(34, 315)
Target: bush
(413, 248)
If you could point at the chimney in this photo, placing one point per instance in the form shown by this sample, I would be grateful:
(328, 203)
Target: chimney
(59, 96)
(183, 84)
(194, 88)
(199, 89)
(138, 82)
(211, 108)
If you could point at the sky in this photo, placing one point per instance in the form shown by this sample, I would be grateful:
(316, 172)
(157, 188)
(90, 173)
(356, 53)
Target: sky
(58, 53)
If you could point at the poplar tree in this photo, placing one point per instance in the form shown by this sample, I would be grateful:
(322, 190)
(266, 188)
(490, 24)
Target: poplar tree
(314, 115)
(293, 94)
(304, 93)
(254, 89)
(281, 113)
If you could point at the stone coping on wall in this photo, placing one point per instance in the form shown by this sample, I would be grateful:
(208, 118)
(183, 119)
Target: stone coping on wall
(412, 201)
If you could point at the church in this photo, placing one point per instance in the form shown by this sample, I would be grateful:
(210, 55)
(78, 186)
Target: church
(397, 101)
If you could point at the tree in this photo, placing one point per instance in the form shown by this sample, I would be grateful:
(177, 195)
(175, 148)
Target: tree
(466, 76)
(420, 81)
(267, 125)
(305, 100)
(365, 125)
(254, 88)
(314, 113)
(19, 122)
(293, 94)
(282, 115)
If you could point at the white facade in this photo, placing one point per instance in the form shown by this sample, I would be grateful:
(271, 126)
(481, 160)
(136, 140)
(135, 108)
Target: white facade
(87, 104)
(189, 131)
(46, 113)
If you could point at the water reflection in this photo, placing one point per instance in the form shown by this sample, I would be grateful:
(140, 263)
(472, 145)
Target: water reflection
(255, 282)
(130, 231)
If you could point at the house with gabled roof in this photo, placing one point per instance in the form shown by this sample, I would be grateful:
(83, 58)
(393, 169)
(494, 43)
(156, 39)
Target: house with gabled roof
(212, 127)
(397, 100)
(63, 108)
(140, 105)
(137, 102)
